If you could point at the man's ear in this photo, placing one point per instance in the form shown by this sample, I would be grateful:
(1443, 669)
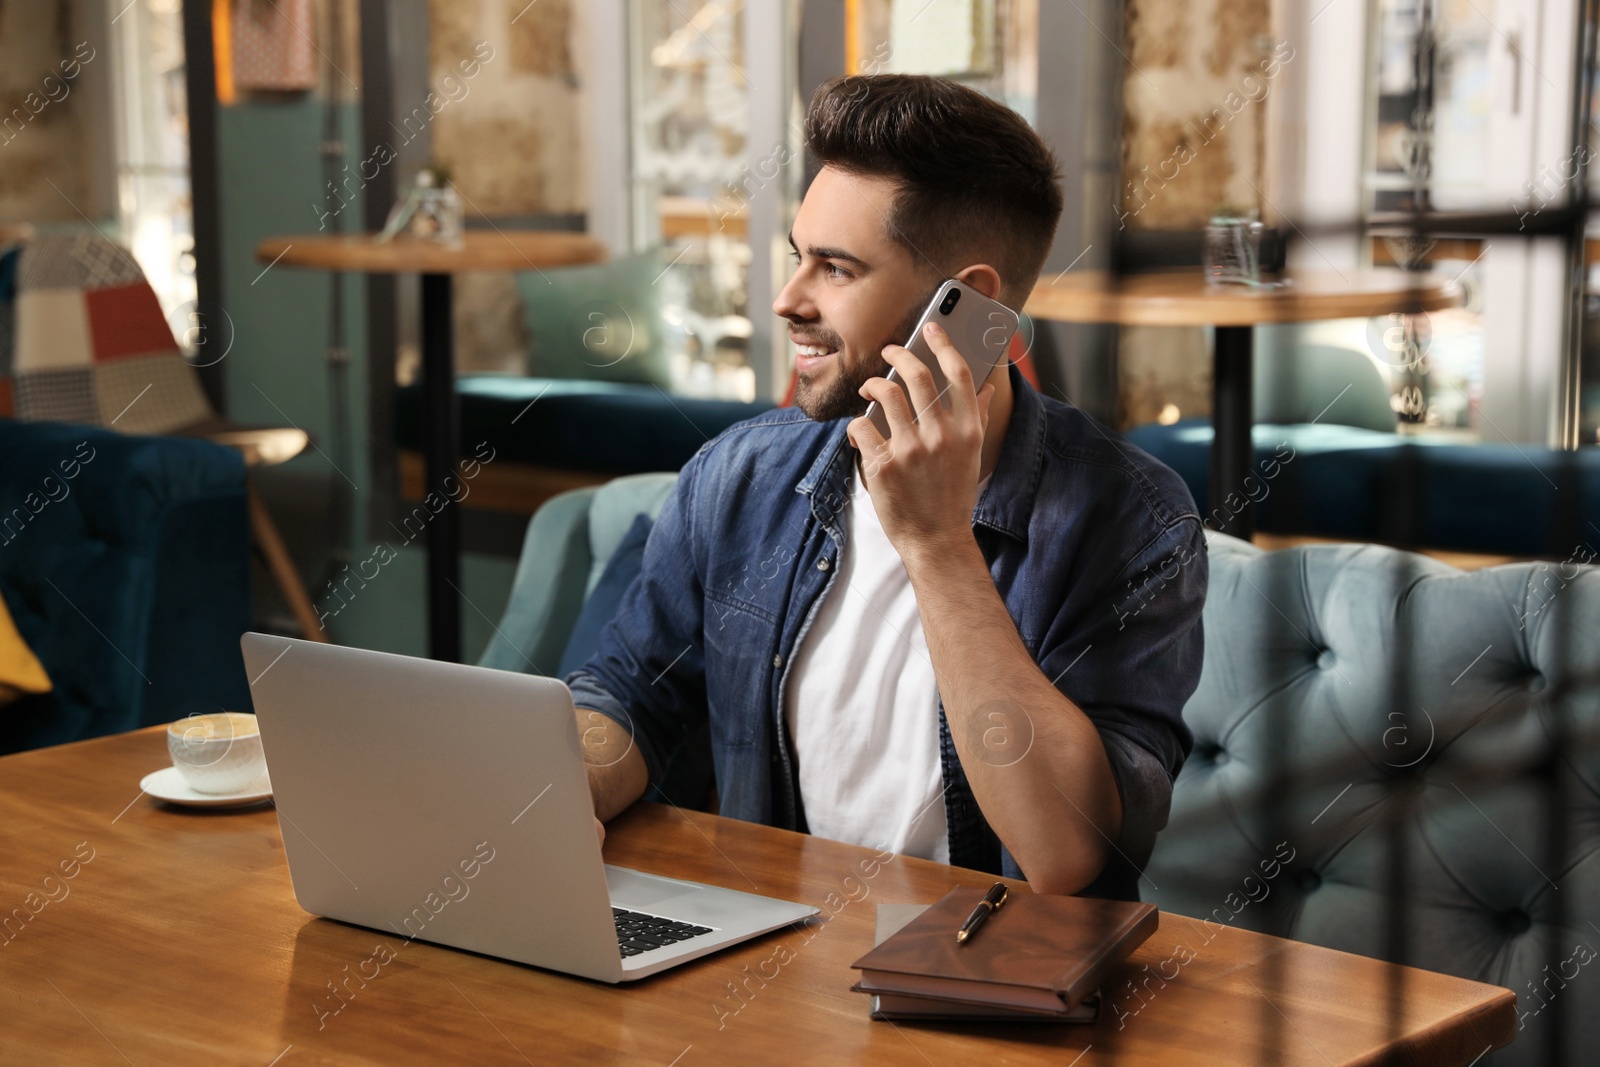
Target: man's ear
(982, 277)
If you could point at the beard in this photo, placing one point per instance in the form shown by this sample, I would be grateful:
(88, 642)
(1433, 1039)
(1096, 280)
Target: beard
(841, 397)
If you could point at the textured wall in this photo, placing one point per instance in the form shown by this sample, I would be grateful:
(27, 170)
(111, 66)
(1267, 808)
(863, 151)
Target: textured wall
(53, 127)
(1199, 72)
(514, 139)
(1195, 87)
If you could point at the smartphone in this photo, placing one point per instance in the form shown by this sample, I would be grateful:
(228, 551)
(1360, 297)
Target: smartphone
(979, 328)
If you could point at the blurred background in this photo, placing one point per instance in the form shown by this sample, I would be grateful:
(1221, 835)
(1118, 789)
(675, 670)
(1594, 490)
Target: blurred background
(669, 130)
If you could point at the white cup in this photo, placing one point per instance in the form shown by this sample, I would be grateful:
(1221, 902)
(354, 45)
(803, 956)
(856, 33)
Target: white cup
(219, 752)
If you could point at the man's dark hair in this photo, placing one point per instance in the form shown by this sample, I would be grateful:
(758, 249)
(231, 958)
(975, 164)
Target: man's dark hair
(976, 184)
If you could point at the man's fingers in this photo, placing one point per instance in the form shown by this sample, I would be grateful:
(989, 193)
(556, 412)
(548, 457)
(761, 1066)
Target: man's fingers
(892, 399)
(600, 828)
(915, 376)
(958, 376)
(870, 443)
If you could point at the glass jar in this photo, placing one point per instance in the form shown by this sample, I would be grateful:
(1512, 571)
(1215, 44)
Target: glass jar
(1232, 252)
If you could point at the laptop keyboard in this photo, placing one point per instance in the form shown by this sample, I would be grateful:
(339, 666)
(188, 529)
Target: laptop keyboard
(638, 932)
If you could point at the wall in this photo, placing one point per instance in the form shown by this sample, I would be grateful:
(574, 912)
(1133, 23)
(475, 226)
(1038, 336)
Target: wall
(1194, 128)
(55, 134)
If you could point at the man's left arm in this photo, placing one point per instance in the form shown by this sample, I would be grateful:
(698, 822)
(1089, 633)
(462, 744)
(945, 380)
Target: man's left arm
(1057, 807)
(1064, 784)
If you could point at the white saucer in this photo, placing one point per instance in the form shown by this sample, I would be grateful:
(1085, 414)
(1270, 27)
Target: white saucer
(168, 784)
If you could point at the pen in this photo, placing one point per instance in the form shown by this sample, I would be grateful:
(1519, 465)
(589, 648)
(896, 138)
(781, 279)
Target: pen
(990, 904)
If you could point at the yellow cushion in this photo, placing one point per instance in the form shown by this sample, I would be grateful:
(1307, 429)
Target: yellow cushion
(20, 670)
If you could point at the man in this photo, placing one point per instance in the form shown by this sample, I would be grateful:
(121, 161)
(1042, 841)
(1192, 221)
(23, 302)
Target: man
(971, 642)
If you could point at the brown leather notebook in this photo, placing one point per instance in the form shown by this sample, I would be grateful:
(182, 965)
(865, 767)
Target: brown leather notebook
(898, 1007)
(1038, 953)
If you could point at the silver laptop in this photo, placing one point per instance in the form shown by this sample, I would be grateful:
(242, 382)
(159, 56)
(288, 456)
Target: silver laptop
(447, 803)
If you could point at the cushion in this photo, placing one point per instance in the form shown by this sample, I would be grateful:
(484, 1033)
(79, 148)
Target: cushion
(601, 606)
(606, 427)
(600, 322)
(20, 670)
(1325, 383)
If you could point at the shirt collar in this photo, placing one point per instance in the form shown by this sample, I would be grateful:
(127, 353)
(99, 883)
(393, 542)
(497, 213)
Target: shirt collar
(1005, 505)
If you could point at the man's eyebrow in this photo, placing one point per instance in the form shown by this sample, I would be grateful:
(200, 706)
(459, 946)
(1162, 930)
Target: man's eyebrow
(818, 252)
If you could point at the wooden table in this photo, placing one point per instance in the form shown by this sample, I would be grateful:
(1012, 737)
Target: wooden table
(179, 942)
(497, 250)
(1183, 298)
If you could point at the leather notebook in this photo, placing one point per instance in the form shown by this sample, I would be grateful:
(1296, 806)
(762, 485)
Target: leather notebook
(898, 1007)
(1038, 953)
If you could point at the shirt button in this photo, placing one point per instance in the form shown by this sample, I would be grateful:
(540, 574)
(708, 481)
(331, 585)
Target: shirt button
(822, 564)
(777, 661)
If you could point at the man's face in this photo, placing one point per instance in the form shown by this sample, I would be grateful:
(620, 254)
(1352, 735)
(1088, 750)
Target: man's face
(854, 290)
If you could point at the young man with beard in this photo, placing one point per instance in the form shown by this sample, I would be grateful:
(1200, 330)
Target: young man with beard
(971, 642)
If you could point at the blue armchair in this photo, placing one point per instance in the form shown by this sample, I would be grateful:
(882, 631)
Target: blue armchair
(125, 562)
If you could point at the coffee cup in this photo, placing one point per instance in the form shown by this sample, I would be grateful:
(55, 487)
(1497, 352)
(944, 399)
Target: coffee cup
(219, 752)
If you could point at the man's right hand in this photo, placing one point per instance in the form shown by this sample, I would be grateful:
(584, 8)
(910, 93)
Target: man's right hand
(617, 774)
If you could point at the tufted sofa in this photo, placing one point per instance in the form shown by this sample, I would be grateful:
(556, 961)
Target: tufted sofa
(1379, 767)
(125, 562)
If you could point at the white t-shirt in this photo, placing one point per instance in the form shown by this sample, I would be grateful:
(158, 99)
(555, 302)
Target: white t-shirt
(861, 703)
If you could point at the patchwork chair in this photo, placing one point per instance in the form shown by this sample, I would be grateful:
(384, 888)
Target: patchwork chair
(92, 347)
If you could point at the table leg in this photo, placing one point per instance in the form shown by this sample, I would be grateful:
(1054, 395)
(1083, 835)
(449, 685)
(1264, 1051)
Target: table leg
(1232, 453)
(440, 448)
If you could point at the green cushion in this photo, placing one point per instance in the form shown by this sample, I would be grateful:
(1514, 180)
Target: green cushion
(601, 322)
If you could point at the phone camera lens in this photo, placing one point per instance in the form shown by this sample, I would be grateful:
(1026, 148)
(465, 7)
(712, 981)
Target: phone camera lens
(949, 301)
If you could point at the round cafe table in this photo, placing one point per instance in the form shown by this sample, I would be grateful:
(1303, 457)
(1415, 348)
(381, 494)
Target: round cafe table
(1184, 298)
(481, 250)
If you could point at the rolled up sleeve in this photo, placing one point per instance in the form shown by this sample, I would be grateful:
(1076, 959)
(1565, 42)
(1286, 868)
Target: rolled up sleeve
(648, 669)
(1130, 658)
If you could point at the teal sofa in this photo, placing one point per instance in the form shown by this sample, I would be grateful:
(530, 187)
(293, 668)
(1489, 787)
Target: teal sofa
(125, 563)
(1378, 764)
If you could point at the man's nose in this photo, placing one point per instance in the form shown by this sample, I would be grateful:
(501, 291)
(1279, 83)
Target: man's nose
(791, 302)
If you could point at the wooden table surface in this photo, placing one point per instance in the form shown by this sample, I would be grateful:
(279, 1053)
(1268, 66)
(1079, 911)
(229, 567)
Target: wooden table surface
(177, 940)
(481, 250)
(1183, 298)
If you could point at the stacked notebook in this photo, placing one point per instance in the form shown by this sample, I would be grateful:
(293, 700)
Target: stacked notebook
(1038, 957)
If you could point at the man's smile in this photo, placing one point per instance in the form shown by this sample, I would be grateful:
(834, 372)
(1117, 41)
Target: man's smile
(811, 356)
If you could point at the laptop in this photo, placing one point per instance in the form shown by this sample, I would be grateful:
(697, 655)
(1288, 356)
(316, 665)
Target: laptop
(446, 803)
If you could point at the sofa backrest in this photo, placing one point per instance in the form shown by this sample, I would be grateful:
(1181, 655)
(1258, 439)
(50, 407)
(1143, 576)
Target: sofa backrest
(1380, 767)
(565, 550)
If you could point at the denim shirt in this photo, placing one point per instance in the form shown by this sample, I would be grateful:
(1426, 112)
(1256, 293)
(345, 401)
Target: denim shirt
(1095, 548)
